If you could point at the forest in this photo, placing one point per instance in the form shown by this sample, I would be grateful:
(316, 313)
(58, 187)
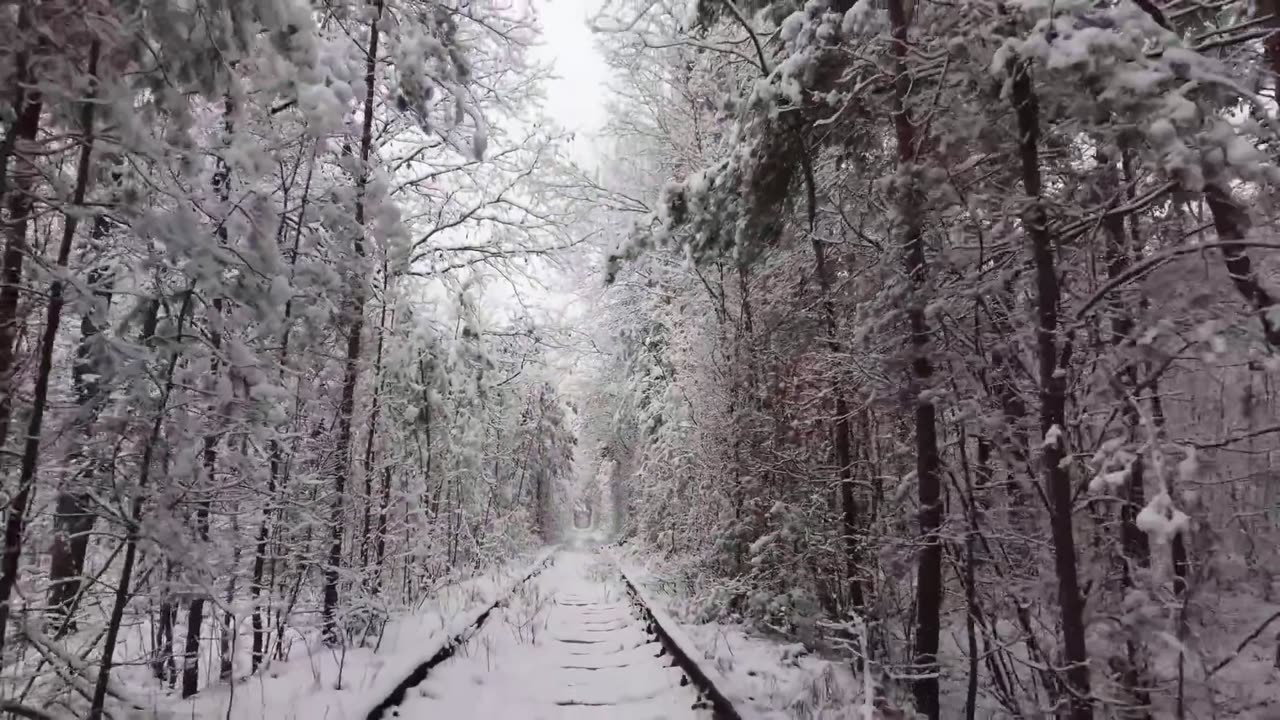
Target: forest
(937, 338)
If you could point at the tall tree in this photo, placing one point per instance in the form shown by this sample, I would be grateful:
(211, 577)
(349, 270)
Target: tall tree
(354, 330)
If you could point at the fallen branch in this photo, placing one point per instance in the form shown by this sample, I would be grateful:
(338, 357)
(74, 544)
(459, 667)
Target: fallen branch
(1243, 644)
(1237, 438)
(13, 708)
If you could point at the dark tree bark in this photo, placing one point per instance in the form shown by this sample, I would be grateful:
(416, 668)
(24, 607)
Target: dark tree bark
(22, 83)
(20, 200)
(1178, 547)
(375, 411)
(1269, 12)
(133, 529)
(29, 105)
(1134, 546)
(1231, 222)
(1181, 568)
(431, 503)
(262, 541)
(275, 453)
(929, 562)
(74, 515)
(162, 665)
(227, 640)
(15, 523)
(972, 538)
(352, 373)
(209, 464)
(1053, 400)
(1013, 407)
(849, 510)
(213, 432)
(384, 508)
(384, 495)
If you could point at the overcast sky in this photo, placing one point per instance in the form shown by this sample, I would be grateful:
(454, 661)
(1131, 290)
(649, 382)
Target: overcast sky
(576, 97)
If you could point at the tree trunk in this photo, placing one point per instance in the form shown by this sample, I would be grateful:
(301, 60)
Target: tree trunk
(15, 524)
(162, 666)
(1013, 407)
(929, 562)
(384, 503)
(275, 451)
(385, 506)
(74, 516)
(1178, 546)
(213, 430)
(352, 374)
(21, 204)
(972, 536)
(384, 495)
(1125, 242)
(848, 504)
(261, 547)
(209, 464)
(929, 569)
(1269, 12)
(227, 645)
(374, 412)
(133, 530)
(1134, 546)
(1231, 222)
(1053, 399)
(23, 83)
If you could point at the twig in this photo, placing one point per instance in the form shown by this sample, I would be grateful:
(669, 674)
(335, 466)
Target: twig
(13, 708)
(1244, 643)
(1238, 438)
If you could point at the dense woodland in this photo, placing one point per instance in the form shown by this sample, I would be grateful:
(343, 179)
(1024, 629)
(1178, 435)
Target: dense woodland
(939, 337)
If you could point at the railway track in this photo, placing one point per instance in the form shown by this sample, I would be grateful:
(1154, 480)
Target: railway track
(578, 639)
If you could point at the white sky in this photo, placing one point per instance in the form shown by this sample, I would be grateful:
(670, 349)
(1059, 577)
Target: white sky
(575, 98)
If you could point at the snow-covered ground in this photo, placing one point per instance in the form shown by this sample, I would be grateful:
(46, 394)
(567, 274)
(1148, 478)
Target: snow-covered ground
(569, 645)
(323, 683)
(777, 679)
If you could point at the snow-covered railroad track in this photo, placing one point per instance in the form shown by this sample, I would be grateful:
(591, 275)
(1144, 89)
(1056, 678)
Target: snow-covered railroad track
(711, 685)
(572, 642)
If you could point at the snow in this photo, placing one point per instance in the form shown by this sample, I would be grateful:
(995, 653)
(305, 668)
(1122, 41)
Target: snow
(1053, 438)
(568, 645)
(856, 17)
(320, 682)
(1160, 520)
(772, 679)
(1246, 687)
(792, 25)
(1103, 481)
(675, 634)
(1189, 467)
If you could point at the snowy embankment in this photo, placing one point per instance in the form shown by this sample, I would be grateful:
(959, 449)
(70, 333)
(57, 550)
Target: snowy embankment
(723, 693)
(336, 684)
(766, 678)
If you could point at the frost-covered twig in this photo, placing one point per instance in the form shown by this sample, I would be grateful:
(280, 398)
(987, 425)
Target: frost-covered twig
(24, 711)
(1243, 644)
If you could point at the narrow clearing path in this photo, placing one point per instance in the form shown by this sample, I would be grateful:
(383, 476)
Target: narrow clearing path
(569, 644)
